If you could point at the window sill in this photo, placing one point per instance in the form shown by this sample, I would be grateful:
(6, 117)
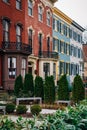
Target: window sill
(18, 9)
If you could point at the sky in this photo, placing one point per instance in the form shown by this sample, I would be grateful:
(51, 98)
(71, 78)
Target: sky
(75, 9)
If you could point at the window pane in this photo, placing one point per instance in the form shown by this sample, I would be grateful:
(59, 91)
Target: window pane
(23, 69)
(30, 7)
(5, 30)
(40, 13)
(18, 33)
(18, 4)
(12, 67)
(48, 18)
(54, 70)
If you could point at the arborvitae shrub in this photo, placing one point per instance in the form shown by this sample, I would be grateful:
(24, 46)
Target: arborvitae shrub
(49, 90)
(78, 90)
(10, 107)
(18, 85)
(63, 88)
(35, 109)
(39, 90)
(28, 85)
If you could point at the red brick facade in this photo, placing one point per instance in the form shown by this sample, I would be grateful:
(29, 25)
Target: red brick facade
(21, 17)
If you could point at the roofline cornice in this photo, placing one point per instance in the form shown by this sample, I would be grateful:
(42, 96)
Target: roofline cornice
(78, 26)
(62, 15)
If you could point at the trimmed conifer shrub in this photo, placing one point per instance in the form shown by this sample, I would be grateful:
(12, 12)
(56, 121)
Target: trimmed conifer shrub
(21, 109)
(39, 90)
(10, 107)
(78, 90)
(49, 90)
(28, 85)
(63, 88)
(35, 109)
(18, 86)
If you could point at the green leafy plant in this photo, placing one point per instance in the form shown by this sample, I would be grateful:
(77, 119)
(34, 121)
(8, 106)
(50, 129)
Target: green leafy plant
(21, 109)
(35, 109)
(10, 107)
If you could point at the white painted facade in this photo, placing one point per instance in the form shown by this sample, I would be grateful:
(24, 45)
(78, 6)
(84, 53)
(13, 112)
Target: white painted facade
(75, 59)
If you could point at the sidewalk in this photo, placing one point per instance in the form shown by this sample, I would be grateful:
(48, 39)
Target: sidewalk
(44, 111)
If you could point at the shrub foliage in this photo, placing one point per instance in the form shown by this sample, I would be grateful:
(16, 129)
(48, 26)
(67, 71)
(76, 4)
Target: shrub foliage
(10, 107)
(39, 90)
(28, 85)
(18, 85)
(21, 109)
(35, 109)
(63, 89)
(49, 90)
(78, 91)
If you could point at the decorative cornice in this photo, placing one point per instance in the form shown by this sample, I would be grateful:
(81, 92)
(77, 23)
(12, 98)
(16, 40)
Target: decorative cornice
(62, 15)
(78, 26)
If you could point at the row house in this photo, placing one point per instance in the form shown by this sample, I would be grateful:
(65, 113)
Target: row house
(76, 53)
(15, 48)
(26, 40)
(67, 41)
(61, 41)
(42, 61)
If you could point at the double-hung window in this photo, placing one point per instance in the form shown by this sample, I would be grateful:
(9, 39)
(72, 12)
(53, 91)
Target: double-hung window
(54, 71)
(12, 67)
(18, 37)
(5, 30)
(18, 4)
(48, 45)
(30, 7)
(40, 43)
(48, 18)
(61, 67)
(30, 37)
(23, 67)
(18, 33)
(46, 69)
(40, 13)
(55, 44)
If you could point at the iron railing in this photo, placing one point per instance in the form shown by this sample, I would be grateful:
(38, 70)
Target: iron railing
(17, 46)
(48, 54)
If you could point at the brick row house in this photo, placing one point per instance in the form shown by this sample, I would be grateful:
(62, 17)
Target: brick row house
(26, 40)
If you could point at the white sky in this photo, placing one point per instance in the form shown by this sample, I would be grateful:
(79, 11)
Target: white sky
(75, 9)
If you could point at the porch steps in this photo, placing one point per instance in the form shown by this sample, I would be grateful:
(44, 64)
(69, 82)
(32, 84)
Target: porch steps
(2, 94)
